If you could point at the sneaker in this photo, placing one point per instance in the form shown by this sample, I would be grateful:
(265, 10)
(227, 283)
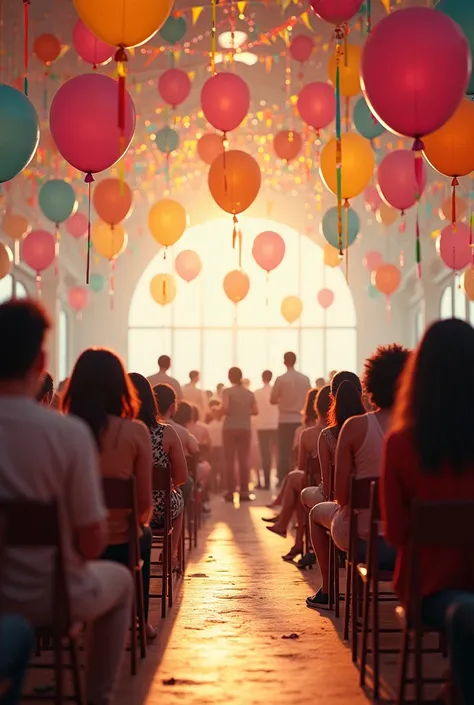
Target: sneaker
(320, 599)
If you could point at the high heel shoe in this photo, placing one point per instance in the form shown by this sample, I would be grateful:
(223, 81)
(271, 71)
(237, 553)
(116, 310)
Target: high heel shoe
(307, 561)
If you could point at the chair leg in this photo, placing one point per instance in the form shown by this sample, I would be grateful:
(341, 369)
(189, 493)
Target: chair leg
(133, 630)
(402, 676)
(79, 690)
(365, 632)
(375, 636)
(170, 574)
(418, 665)
(347, 606)
(195, 522)
(58, 668)
(164, 575)
(331, 574)
(354, 611)
(141, 613)
(336, 580)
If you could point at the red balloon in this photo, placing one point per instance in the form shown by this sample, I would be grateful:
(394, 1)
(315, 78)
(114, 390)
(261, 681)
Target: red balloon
(317, 104)
(301, 48)
(76, 225)
(89, 47)
(287, 145)
(209, 147)
(174, 86)
(397, 179)
(78, 297)
(268, 250)
(225, 100)
(326, 298)
(47, 48)
(454, 246)
(38, 250)
(336, 11)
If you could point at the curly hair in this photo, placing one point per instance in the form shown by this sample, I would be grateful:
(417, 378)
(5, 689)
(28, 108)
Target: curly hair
(382, 373)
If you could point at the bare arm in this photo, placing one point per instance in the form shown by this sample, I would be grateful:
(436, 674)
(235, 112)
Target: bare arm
(302, 453)
(173, 446)
(325, 462)
(225, 404)
(143, 473)
(344, 461)
(254, 409)
(275, 395)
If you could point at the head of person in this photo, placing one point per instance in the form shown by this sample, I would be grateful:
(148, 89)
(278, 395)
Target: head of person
(46, 391)
(23, 328)
(434, 402)
(332, 374)
(246, 383)
(98, 388)
(219, 389)
(346, 398)
(382, 372)
(164, 363)
(320, 383)
(215, 408)
(148, 413)
(322, 404)
(309, 412)
(289, 360)
(235, 375)
(195, 415)
(183, 414)
(165, 400)
(267, 376)
(209, 394)
(194, 376)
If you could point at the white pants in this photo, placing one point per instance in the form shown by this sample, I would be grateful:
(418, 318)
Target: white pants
(311, 496)
(335, 518)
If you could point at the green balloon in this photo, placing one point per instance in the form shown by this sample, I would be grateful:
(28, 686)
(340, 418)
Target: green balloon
(372, 291)
(365, 123)
(167, 140)
(96, 282)
(462, 12)
(173, 30)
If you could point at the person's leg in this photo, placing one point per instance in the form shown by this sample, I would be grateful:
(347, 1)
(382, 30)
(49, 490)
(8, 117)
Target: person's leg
(17, 640)
(311, 496)
(229, 453)
(320, 519)
(282, 468)
(460, 631)
(243, 457)
(187, 489)
(146, 540)
(290, 500)
(176, 536)
(264, 438)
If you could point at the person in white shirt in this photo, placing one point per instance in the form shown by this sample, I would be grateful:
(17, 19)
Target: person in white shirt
(46, 457)
(266, 423)
(289, 394)
(162, 376)
(194, 395)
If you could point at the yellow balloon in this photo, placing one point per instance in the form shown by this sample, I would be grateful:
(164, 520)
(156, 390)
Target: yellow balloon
(6, 260)
(349, 71)
(331, 256)
(291, 308)
(167, 221)
(386, 215)
(467, 281)
(108, 241)
(163, 289)
(358, 162)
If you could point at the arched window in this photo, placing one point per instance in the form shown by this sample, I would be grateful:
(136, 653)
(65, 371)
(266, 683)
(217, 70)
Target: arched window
(6, 288)
(419, 324)
(20, 290)
(453, 303)
(202, 329)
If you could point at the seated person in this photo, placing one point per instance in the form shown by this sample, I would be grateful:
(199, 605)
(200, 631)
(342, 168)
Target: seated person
(183, 416)
(17, 642)
(46, 392)
(166, 401)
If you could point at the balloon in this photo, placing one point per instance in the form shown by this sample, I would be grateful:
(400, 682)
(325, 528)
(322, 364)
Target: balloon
(317, 104)
(167, 221)
(236, 285)
(365, 123)
(77, 225)
(372, 291)
(372, 199)
(386, 215)
(415, 70)
(225, 100)
(336, 11)
(373, 260)
(188, 265)
(57, 200)
(454, 247)
(445, 211)
(326, 298)
(6, 260)
(329, 226)
(397, 182)
(19, 132)
(209, 146)
(331, 256)
(47, 48)
(467, 281)
(349, 71)
(163, 289)
(287, 144)
(301, 48)
(268, 250)
(78, 297)
(291, 308)
(450, 150)
(90, 49)
(83, 122)
(15, 226)
(112, 200)
(234, 181)
(108, 241)
(174, 86)
(358, 163)
(167, 140)
(38, 250)
(173, 29)
(387, 278)
(124, 23)
(96, 283)
(463, 13)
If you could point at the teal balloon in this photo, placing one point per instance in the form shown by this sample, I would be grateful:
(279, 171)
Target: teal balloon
(329, 226)
(173, 30)
(167, 140)
(462, 12)
(372, 291)
(365, 123)
(57, 200)
(19, 132)
(96, 282)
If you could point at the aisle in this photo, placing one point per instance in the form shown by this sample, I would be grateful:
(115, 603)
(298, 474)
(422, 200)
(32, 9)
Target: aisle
(238, 601)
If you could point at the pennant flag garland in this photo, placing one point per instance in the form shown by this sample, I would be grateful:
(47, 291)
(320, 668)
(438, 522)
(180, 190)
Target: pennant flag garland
(196, 12)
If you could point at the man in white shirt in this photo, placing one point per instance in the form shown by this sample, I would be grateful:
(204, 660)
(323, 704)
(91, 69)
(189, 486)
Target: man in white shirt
(196, 396)
(266, 423)
(289, 394)
(45, 456)
(162, 376)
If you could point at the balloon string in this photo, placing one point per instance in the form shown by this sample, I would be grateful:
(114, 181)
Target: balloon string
(237, 235)
(388, 309)
(213, 38)
(369, 17)
(338, 143)
(418, 246)
(121, 58)
(418, 147)
(38, 285)
(26, 4)
(454, 183)
(348, 110)
(56, 250)
(346, 236)
(112, 284)
(89, 180)
(225, 144)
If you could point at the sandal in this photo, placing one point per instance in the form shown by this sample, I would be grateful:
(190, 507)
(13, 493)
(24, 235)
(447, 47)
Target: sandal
(291, 555)
(306, 561)
(274, 530)
(272, 520)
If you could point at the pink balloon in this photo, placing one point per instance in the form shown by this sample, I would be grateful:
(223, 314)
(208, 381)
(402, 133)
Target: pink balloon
(174, 86)
(83, 119)
(326, 298)
(397, 181)
(77, 224)
(301, 48)
(225, 100)
(268, 250)
(89, 47)
(372, 199)
(373, 260)
(454, 247)
(336, 11)
(415, 70)
(188, 265)
(38, 250)
(78, 297)
(317, 104)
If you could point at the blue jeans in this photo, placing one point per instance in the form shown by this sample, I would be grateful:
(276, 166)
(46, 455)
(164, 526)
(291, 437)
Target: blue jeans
(453, 610)
(17, 641)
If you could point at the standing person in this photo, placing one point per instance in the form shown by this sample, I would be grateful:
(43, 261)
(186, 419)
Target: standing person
(266, 423)
(162, 376)
(215, 429)
(289, 394)
(238, 405)
(194, 395)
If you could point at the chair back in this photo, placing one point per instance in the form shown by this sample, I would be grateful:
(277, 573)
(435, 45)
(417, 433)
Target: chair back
(313, 471)
(360, 496)
(120, 495)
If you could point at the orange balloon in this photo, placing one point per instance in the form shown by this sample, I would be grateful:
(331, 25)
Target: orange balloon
(331, 256)
(386, 215)
(47, 48)
(387, 278)
(467, 280)
(15, 226)
(445, 212)
(209, 147)
(287, 144)
(450, 150)
(112, 200)
(234, 181)
(236, 285)
(349, 70)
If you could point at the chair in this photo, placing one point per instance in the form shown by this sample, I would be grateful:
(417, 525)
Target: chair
(37, 525)
(119, 494)
(194, 502)
(161, 481)
(333, 565)
(311, 479)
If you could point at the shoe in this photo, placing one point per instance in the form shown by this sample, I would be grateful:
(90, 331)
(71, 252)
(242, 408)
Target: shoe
(206, 508)
(320, 599)
(291, 555)
(275, 531)
(247, 497)
(229, 497)
(308, 560)
(272, 520)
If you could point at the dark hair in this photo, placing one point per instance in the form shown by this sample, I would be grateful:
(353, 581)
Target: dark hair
(164, 362)
(346, 394)
(235, 375)
(47, 386)
(267, 375)
(165, 397)
(309, 412)
(148, 413)
(382, 372)
(214, 402)
(441, 368)
(195, 414)
(98, 388)
(194, 374)
(289, 358)
(23, 326)
(183, 414)
(323, 403)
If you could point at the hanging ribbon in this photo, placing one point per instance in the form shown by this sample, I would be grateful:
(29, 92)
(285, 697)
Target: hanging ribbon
(401, 229)
(346, 236)
(112, 284)
(57, 236)
(369, 16)
(418, 246)
(454, 183)
(348, 113)
(38, 285)
(26, 4)
(339, 36)
(213, 37)
(237, 235)
(418, 147)
(121, 58)
(89, 179)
